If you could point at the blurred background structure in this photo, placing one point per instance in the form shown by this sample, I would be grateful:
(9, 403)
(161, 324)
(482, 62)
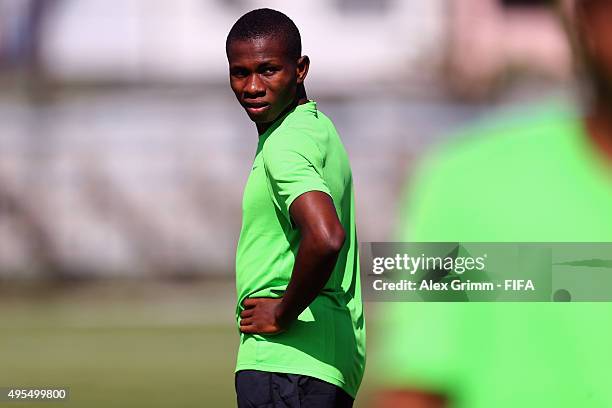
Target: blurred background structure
(123, 155)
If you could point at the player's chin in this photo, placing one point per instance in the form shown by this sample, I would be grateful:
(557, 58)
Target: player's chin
(264, 116)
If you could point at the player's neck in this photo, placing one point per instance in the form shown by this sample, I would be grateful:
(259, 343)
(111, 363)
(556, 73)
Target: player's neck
(599, 127)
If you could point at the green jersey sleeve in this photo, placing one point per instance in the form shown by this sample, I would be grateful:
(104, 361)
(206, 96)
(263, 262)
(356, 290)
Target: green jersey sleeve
(294, 165)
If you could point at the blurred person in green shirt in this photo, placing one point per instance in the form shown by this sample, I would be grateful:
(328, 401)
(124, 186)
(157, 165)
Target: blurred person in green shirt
(545, 176)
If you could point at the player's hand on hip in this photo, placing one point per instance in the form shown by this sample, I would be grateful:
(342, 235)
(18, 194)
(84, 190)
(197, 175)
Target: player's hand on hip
(261, 316)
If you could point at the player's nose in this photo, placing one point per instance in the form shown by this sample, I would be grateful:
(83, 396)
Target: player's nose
(254, 85)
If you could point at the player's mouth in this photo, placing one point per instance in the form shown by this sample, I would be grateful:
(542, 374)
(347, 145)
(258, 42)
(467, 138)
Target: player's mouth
(256, 108)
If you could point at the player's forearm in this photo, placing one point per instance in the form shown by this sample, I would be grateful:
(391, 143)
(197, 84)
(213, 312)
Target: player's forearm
(314, 264)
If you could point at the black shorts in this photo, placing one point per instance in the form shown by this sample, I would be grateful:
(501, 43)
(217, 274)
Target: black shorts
(262, 389)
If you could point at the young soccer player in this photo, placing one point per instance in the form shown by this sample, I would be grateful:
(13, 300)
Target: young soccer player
(300, 315)
(542, 179)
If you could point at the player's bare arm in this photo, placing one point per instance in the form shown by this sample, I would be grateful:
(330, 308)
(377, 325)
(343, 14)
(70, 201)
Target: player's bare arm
(322, 239)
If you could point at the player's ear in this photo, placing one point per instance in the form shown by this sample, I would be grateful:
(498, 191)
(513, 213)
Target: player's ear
(302, 68)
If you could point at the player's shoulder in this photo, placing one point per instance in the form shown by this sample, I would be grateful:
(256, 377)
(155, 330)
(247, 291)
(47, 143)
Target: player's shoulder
(308, 119)
(512, 137)
(303, 128)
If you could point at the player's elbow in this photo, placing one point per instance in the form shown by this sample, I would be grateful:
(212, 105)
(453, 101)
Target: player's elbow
(330, 240)
(336, 242)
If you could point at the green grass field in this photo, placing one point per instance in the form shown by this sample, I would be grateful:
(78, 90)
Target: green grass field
(140, 367)
(122, 344)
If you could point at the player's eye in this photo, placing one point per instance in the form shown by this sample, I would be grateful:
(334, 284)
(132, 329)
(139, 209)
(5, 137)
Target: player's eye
(267, 71)
(239, 72)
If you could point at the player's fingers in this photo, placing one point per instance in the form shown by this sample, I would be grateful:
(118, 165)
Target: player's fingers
(249, 302)
(246, 322)
(248, 329)
(247, 313)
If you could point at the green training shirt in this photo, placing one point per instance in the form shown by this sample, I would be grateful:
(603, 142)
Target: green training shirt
(536, 180)
(301, 152)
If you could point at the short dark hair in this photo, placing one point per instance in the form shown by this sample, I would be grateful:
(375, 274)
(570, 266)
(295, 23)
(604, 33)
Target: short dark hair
(265, 22)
